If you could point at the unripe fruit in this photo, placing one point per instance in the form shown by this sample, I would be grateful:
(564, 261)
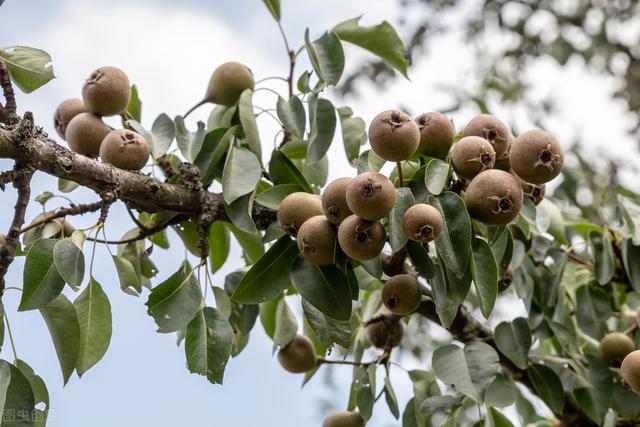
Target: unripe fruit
(317, 240)
(66, 228)
(437, 134)
(344, 419)
(630, 370)
(226, 84)
(361, 239)
(506, 280)
(125, 149)
(296, 208)
(472, 155)
(66, 111)
(386, 333)
(490, 128)
(85, 133)
(422, 223)
(107, 91)
(402, 294)
(614, 347)
(298, 356)
(494, 197)
(536, 157)
(371, 195)
(334, 201)
(394, 136)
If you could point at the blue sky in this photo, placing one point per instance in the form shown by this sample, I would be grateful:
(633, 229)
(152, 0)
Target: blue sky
(169, 49)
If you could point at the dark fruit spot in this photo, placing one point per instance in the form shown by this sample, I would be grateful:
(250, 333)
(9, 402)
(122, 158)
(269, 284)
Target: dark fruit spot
(307, 248)
(130, 136)
(536, 193)
(334, 211)
(369, 188)
(505, 205)
(392, 302)
(546, 156)
(486, 159)
(491, 134)
(94, 77)
(425, 232)
(396, 119)
(362, 236)
(505, 283)
(422, 122)
(291, 229)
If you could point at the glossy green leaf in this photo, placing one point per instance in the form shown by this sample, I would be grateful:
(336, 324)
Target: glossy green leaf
(435, 176)
(163, 131)
(17, 402)
(326, 56)
(454, 241)
(596, 400)
(390, 397)
(251, 244)
(40, 393)
(272, 197)
(382, 40)
(502, 248)
(501, 392)
(369, 161)
(69, 261)
(513, 339)
(29, 68)
(214, 148)
(292, 115)
(604, 258)
(325, 288)
(285, 325)
(270, 275)
(329, 330)
(397, 236)
(631, 260)
(219, 245)
(354, 134)
(240, 213)
(421, 260)
(496, 418)
(94, 315)
(274, 8)
(64, 328)
(242, 171)
(249, 125)
(484, 271)
(208, 344)
(42, 282)
(592, 306)
(283, 171)
(127, 274)
(322, 117)
(547, 386)
(631, 214)
(66, 186)
(189, 142)
(135, 104)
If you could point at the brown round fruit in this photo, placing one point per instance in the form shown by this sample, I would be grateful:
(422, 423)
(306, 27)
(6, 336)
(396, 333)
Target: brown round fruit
(472, 155)
(227, 83)
(614, 347)
(298, 356)
(66, 111)
(630, 370)
(437, 134)
(296, 208)
(371, 195)
(402, 294)
(107, 91)
(125, 149)
(334, 201)
(361, 239)
(490, 128)
(85, 133)
(344, 419)
(494, 197)
(387, 331)
(506, 280)
(422, 223)
(536, 157)
(317, 240)
(394, 136)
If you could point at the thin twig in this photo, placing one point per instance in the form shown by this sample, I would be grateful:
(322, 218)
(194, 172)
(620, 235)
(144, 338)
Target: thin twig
(63, 212)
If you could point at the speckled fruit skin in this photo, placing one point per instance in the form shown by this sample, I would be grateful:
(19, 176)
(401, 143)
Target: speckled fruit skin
(422, 223)
(85, 133)
(490, 128)
(66, 111)
(107, 91)
(317, 240)
(125, 149)
(227, 83)
(344, 419)
(472, 155)
(505, 281)
(296, 208)
(614, 347)
(334, 201)
(630, 370)
(298, 356)
(494, 197)
(536, 157)
(437, 134)
(386, 333)
(371, 195)
(394, 135)
(361, 239)
(402, 294)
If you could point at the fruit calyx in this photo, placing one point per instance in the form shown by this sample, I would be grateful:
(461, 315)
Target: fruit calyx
(370, 188)
(395, 120)
(546, 158)
(504, 204)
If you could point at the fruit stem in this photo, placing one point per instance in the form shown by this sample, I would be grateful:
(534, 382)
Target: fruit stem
(400, 174)
(630, 329)
(194, 107)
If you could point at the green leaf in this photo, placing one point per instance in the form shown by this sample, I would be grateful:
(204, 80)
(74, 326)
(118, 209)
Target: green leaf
(64, 328)
(390, 397)
(17, 402)
(127, 274)
(283, 171)
(249, 125)
(631, 260)
(326, 288)
(291, 114)
(1, 325)
(485, 276)
(67, 186)
(42, 282)
(604, 259)
(240, 211)
(354, 134)
(251, 243)
(454, 241)
(285, 325)
(513, 339)
(369, 161)
(435, 176)
(208, 344)
(274, 8)
(29, 68)
(94, 314)
(469, 370)
(502, 248)
(495, 418)
(631, 214)
(329, 330)
(322, 118)
(219, 245)
(592, 306)
(69, 261)
(269, 276)
(188, 233)
(397, 236)
(189, 142)
(326, 56)
(501, 392)
(420, 258)
(163, 131)
(382, 40)
(596, 400)
(40, 392)
(174, 302)
(272, 197)
(135, 104)
(242, 171)
(547, 386)
(215, 146)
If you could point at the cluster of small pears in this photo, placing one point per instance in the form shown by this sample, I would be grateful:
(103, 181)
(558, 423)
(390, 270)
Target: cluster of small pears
(618, 350)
